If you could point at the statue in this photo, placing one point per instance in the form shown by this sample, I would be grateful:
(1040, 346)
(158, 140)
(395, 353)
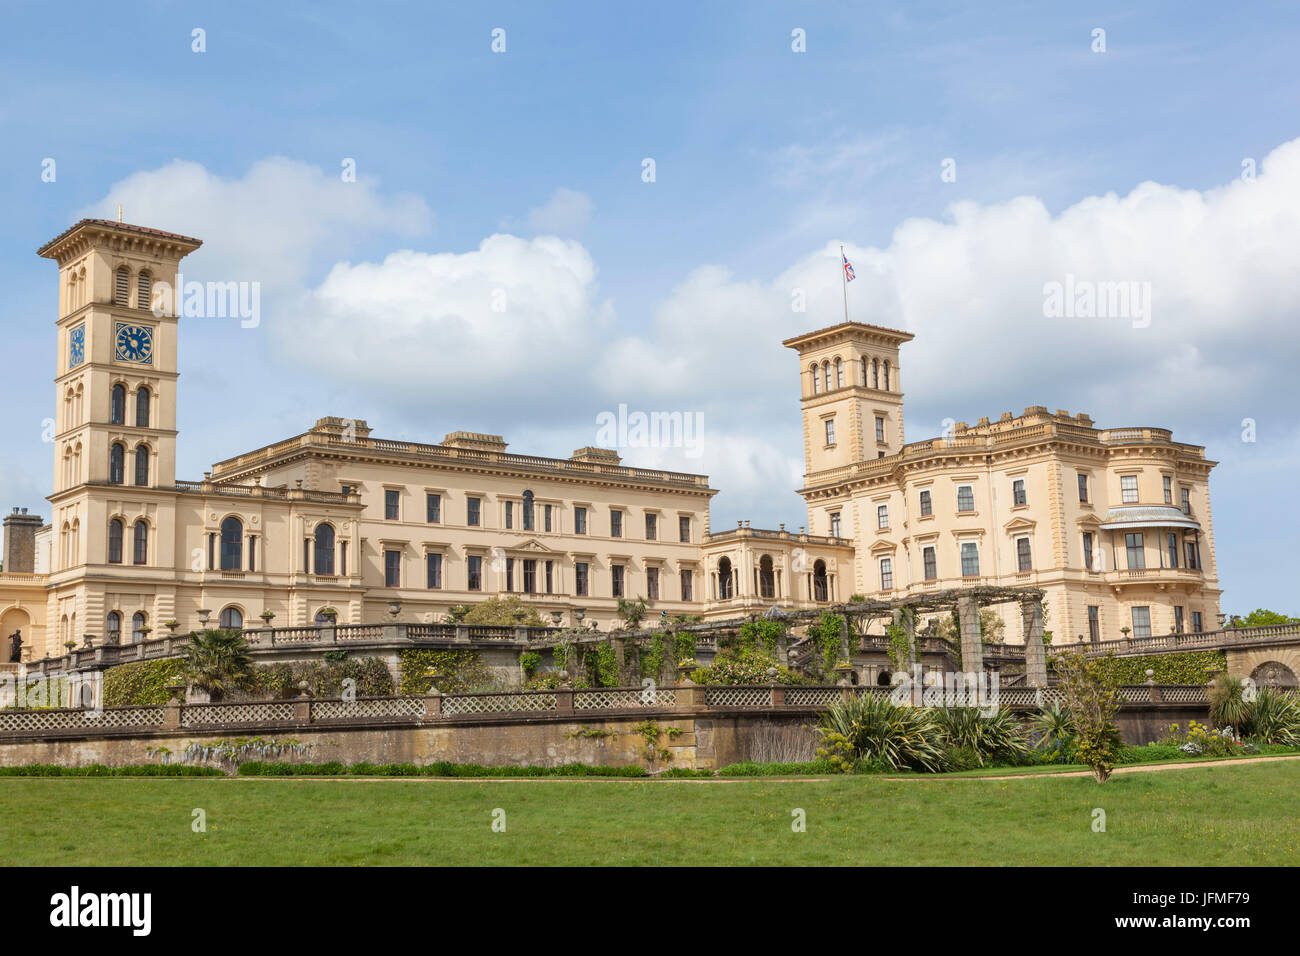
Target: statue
(16, 646)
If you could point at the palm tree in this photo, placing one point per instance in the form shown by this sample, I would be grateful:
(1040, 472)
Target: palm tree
(218, 661)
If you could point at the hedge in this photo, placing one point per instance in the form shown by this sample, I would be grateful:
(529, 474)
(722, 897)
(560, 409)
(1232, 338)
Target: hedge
(140, 683)
(458, 671)
(1188, 667)
(99, 770)
(256, 768)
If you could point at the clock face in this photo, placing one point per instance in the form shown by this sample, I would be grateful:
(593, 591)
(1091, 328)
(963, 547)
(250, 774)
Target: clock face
(134, 343)
(77, 346)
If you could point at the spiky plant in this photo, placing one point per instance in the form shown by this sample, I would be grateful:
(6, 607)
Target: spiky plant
(1228, 704)
(1275, 718)
(998, 738)
(218, 661)
(1053, 725)
(875, 729)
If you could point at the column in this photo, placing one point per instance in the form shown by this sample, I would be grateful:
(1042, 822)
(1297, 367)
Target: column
(972, 645)
(1031, 612)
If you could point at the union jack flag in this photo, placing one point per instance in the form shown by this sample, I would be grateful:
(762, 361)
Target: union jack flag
(848, 267)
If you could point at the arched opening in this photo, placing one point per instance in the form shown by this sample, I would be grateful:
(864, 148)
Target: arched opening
(821, 586)
(726, 580)
(142, 465)
(528, 511)
(143, 283)
(113, 628)
(115, 541)
(875, 373)
(766, 577)
(142, 396)
(140, 543)
(12, 625)
(231, 618)
(884, 679)
(122, 288)
(117, 407)
(816, 380)
(323, 558)
(116, 464)
(1274, 675)
(137, 627)
(232, 544)
(839, 374)
(886, 374)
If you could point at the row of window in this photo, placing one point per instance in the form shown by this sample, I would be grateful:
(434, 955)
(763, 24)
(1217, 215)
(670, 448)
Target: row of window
(1128, 491)
(534, 576)
(526, 515)
(871, 370)
(1135, 551)
(117, 464)
(880, 432)
(117, 406)
(122, 288)
(230, 617)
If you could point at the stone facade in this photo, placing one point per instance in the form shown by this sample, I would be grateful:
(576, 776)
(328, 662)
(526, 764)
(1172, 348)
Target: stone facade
(338, 518)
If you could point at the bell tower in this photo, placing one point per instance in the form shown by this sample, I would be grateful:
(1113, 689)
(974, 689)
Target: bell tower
(116, 370)
(851, 394)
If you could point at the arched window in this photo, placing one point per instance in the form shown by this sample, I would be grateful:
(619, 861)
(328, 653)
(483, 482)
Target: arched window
(875, 373)
(324, 557)
(321, 619)
(142, 285)
(231, 618)
(817, 381)
(232, 544)
(122, 290)
(116, 463)
(115, 541)
(528, 511)
(113, 627)
(826, 376)
(137, 627)
(142, 407)
(839, 374)
(766, 578)
(142, 465)
(865, 379)
(117, 412)
(886, 374)
(821, 589)
(726, 583)
(140, 534)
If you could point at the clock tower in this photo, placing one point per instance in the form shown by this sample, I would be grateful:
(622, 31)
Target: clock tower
(115, 379)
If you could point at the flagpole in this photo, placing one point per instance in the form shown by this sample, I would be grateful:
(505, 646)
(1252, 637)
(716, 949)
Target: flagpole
(844, 284)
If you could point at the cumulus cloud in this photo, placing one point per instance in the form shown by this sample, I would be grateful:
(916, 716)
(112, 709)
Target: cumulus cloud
(270, 225)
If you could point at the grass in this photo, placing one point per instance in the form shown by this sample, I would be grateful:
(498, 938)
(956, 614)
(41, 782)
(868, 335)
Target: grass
(1216, 816)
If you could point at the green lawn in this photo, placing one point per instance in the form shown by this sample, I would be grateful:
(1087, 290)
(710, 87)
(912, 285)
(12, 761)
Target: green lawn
(1218, 815)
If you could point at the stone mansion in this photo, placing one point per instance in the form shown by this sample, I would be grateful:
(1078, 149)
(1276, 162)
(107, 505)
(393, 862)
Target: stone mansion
(1114, 524)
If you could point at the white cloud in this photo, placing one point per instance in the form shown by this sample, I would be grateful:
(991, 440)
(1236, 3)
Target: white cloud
(271, 225)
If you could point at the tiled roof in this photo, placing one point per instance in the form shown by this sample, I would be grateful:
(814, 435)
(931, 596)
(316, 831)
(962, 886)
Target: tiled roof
(122, 226)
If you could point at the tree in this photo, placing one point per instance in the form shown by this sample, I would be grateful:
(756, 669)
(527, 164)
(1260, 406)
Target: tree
(504, 612)
(1260, 616)
(218, 662)
(632, 612)
(1090, 687)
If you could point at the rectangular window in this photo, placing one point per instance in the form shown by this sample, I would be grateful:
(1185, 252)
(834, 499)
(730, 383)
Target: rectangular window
(1024, 559)
(1169, 490)
(970, 559)
(252, 553)
(343, 558)
(306, 555)
(472, 509)
(580, 579)
(1187, 500)
(880, 429)
(615, 523)
(390, 505)
(1141, 622)
(1087, 550)
(1196, 621)
(433, 570)
(530, 576)
(1137, 559)
(616, 580)
(474, 573)
(1018, 492)
(965, 498)
(927, 506)
(930, 563)
(392, 569)
(510, 514)
(688, 585)
(579, 520)
(546, 517)
(830, 431)
(212, 542)
(1094, 622)
(886, 574)
(510, 574)
(550, 577)
(1128, 489)
(1178, 619)
(683, 528)
(651, 527)
(1083, 487)
(1193, 558)
(1171, 541)
(835, 524)
(882, 516)
(652, 584)
(433, 508)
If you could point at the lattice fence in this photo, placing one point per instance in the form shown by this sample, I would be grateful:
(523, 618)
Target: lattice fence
(198, 715)
(738, 697)
(622, 699)
(812, 696)
(454, 704)
(368, 707)
(18, 721)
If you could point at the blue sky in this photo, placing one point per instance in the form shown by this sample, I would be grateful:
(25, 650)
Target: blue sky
(675, 294)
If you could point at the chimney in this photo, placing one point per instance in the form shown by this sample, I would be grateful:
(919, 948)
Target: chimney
(20, 541)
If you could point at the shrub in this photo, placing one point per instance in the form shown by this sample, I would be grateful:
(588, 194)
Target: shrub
(1275, 718)
(218, 661)
(1091, 692)
(459, 671)
(745, 667)
(997, 739)
(807, 768)
(1228, 704)
(874, 729)
(502, 612)
(99, 770)
(140, 683)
